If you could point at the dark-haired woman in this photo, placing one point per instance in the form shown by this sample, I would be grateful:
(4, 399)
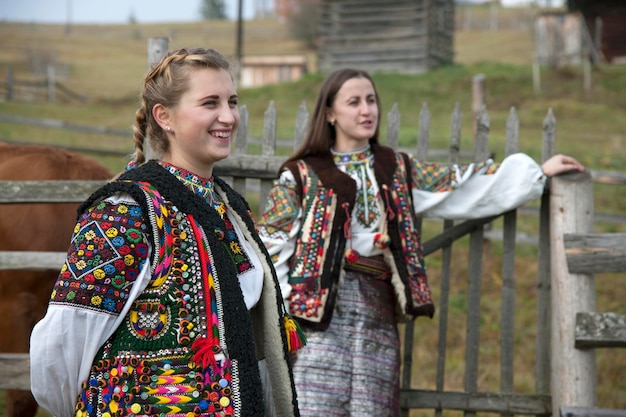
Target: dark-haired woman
(340, 224)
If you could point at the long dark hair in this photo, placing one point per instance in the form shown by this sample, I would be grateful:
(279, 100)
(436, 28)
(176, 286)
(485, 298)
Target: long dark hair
(321, 135)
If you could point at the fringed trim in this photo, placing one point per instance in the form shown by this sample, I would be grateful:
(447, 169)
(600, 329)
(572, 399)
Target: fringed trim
(295, 336)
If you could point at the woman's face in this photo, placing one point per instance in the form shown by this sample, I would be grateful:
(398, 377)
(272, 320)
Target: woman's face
(204, 122)
(354, 113)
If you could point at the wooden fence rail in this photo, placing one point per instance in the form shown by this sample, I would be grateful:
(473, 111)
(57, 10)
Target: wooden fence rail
(242, 168)
(47, 89)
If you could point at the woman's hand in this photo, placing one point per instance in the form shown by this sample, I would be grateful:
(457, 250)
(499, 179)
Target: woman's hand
(559, 164)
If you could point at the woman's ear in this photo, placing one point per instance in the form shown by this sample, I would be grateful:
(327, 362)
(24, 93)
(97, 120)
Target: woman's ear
(330, 117)
(162, 115)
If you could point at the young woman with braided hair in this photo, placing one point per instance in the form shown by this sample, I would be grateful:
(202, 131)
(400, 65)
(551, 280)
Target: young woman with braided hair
(168, 303)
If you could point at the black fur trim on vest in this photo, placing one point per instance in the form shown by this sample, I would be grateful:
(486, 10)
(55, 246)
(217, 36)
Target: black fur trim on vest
(237, 322)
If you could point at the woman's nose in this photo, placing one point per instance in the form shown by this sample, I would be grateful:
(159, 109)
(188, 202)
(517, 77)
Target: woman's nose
(227, 115)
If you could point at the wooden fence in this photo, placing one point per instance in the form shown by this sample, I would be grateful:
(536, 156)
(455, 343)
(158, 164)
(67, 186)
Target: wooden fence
(44, 89)
(566, 238)
(408, 36)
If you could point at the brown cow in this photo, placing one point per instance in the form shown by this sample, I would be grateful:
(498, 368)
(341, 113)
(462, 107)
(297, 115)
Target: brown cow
(24, 295)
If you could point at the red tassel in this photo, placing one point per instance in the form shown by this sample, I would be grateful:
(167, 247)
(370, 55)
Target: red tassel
(388, 211)
(347, 232)
(381, 241)
(351, 255)
(204, 352)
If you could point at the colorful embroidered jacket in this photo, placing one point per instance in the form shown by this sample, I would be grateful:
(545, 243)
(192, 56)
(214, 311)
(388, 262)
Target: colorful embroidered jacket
(187, 345)
(312, 211)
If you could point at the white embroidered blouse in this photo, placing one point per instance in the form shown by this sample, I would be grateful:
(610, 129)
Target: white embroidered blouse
(453, 192)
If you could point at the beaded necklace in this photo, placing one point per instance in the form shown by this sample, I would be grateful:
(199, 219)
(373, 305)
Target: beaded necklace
(356, 165)
(205, 188)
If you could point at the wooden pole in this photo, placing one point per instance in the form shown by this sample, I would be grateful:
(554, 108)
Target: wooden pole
(9, 95)
(478, 98)
(51, 80)
(239, 46)
(573, 376)
(157, 49)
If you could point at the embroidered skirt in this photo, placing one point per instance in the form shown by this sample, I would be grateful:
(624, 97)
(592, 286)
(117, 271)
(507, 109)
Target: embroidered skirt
(352, 368)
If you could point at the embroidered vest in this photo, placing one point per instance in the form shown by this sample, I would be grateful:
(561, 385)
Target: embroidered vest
(185, 346)
(327, 194)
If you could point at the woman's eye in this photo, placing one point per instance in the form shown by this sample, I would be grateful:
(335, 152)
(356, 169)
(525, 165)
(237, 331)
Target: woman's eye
(233, 103)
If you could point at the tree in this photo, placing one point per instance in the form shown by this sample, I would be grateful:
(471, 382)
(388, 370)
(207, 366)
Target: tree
(213, 10)
(303, 22)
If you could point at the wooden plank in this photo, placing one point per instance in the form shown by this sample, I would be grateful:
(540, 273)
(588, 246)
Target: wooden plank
(25, 260)
(538, 405)
(14, 371)
(475, 272)
(74, 191)
(592, 412)
(454, 233)
(600, 330)
(609, 177)
(598, 252)
(60, 124)
(571, 368)
(542, 358)
(400, 35)
(249, 166)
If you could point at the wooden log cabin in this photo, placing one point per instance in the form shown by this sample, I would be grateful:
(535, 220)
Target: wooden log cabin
(406, 36)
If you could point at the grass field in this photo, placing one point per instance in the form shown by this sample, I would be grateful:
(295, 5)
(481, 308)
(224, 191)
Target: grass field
(107, 63)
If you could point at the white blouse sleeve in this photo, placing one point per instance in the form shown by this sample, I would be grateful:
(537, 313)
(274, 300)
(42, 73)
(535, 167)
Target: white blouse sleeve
(279, 226)
(65, 342)
(250, 280)
(478, 190)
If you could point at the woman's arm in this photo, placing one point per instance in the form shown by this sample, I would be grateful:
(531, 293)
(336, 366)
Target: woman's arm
(279, 226)
(482, 190)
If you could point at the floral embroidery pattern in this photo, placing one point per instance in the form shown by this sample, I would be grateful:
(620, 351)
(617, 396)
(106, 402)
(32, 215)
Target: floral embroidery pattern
(411, 246)
(105, 256)
(280, 212)
(359, 165)
(307, 266)
(169, 357)
(440, 178)
(205, 188)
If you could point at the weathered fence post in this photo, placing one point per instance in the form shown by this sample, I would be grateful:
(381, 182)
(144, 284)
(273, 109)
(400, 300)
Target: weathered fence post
(478, 98)
(268, 145)
(542, 363)
(573, 370)
(507, 307)
(51, 82)
(157, 48)
(9, 95)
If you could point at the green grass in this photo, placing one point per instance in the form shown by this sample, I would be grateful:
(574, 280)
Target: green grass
(589, 125)
(107, 64)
